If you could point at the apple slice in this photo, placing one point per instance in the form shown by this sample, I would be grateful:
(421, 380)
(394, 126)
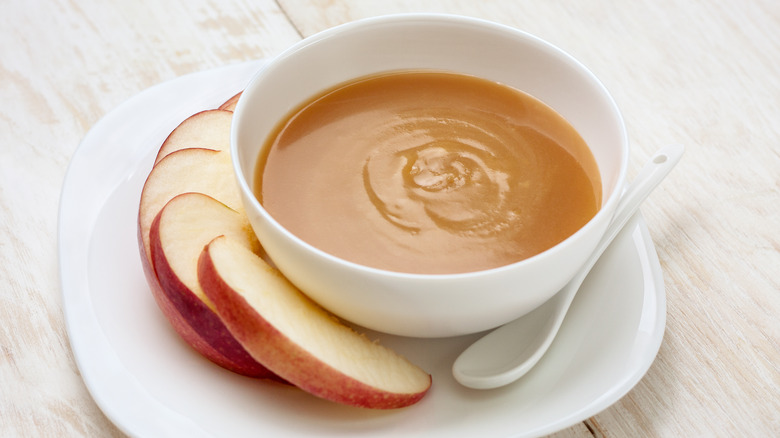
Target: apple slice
(210, 172)
(202, 329)
(298, 340)
(230, 104)
(208, 129)
(188, 170)
(178, 234)
(181, 230)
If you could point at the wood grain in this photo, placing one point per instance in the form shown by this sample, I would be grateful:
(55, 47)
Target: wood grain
(701, 73)
(65, 64)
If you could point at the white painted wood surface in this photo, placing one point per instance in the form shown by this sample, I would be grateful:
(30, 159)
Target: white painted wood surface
(702, 73)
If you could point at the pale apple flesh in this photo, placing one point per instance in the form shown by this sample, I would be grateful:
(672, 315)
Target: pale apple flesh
(188, 170)
(208, 129)
(298, 340)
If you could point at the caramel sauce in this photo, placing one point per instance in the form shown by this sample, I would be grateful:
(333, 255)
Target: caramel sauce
(428, 172)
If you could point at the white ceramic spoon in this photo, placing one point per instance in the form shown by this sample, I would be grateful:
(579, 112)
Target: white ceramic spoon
(508, 352)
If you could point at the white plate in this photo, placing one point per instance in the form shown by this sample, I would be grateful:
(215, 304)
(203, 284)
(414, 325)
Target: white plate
(151, 384)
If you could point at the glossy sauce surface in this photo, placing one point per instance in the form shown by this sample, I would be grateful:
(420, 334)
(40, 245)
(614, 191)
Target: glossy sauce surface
(428, 172)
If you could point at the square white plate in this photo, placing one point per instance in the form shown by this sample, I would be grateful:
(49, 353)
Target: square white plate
(151, 384)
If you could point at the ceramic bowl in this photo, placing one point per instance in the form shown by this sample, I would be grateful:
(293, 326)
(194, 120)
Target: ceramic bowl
(421, 305)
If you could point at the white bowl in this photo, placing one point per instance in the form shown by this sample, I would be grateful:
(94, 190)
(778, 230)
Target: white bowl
(415, 304)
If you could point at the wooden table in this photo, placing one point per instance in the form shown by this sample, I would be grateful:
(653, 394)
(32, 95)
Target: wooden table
(702, 73)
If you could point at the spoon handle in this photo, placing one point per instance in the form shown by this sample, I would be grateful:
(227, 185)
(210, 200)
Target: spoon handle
(508, 352)
(656, 169)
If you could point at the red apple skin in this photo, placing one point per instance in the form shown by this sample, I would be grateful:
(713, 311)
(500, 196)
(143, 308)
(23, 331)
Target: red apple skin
(230, 104)
(290, 361)
(180, 325)
(172, 143)
(195, 322)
